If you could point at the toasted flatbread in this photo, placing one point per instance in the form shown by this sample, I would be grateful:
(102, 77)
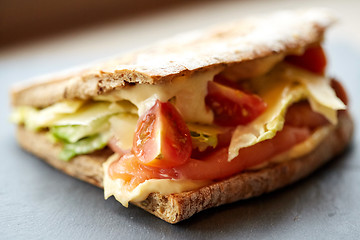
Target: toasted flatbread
(258, 39)
(177, 207)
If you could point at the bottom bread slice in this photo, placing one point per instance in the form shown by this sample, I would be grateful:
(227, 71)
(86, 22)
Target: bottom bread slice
(177, 207)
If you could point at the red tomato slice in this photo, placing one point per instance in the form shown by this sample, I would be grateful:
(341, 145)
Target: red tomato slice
(229, 83)
(217, 166)
(212, 167)
(313, 59)
(162, 138)
(231, 106)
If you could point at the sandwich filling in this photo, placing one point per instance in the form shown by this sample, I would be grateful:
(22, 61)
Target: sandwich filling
(197, 129)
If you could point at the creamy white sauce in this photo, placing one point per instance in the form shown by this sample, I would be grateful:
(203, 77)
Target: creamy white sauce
(189, 93)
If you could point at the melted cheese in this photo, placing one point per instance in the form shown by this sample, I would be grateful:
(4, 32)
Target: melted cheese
(123, 127)
(168, 186)
(142, 191)
(189, 93)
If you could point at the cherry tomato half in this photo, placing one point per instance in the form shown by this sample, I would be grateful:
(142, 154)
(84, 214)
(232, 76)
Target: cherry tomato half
(162, 138)
(313, 59)
(231, 106)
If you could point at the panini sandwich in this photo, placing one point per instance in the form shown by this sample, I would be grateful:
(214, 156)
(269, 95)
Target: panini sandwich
(196, 121)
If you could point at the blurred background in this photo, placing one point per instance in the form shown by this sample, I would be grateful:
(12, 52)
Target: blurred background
(25, 20)
(22, 20)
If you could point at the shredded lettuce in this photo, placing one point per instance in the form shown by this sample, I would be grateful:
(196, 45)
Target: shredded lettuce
(35, 119)
(73, 133)
(70, 112)
(84, 146)
(93, 111)
(81, 127)
(20, 114)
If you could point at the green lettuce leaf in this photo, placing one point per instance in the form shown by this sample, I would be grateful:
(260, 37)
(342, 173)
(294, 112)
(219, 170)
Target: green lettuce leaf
(73, 133)
(84, 146)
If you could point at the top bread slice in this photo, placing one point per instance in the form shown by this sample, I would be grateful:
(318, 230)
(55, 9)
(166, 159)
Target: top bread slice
(287, 32)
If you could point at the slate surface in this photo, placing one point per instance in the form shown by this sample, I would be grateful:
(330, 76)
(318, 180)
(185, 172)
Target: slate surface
(38, 202)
